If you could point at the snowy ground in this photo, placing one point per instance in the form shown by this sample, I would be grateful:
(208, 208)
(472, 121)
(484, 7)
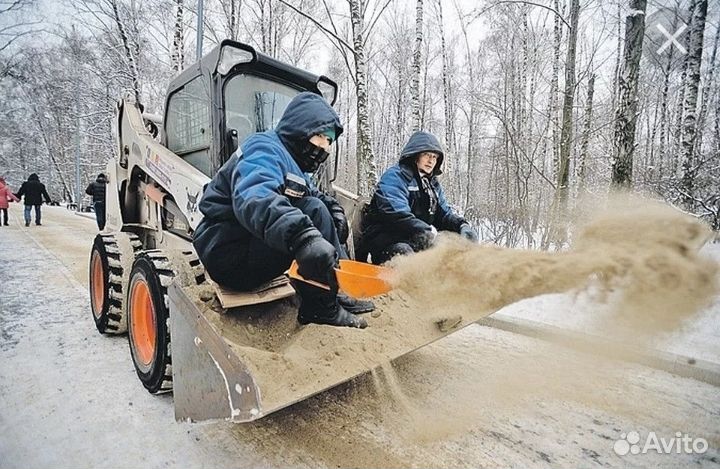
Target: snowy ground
(482, 397)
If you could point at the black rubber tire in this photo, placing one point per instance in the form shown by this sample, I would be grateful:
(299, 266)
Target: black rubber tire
(155, 269)
(107, 309)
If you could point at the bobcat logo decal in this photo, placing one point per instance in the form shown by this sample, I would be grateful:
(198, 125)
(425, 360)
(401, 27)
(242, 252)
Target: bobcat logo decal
(192, 201)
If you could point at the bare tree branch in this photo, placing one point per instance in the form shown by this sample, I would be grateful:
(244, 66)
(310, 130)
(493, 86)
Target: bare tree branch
(319, 25)
(500, 2)
(342, 51)
(373, 22)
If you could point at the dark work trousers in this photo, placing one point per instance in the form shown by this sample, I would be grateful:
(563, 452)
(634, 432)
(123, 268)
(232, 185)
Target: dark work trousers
(259, 263)
(100, 214)
(4, 216)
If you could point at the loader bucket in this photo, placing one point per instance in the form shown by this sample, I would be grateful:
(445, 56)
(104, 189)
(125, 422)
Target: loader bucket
(244, 363)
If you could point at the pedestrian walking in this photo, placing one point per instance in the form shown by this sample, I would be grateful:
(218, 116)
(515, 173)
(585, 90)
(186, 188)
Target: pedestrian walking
(97, 190)
(33, 192)
(6, 196)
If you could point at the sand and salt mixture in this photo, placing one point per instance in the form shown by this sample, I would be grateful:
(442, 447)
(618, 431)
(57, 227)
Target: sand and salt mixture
(637, 258)
(640, 258)
(640, 255)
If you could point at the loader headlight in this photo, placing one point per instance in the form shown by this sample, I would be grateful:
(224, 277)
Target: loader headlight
(231, 56)
(171, 222)
(328, 89)
(173, 218)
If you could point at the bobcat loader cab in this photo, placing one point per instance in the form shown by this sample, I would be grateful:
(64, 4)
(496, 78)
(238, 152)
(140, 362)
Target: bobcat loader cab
(230, 94)
(236, 364)
(210, 109)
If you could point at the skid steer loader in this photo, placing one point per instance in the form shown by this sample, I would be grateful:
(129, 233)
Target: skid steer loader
(237, 364)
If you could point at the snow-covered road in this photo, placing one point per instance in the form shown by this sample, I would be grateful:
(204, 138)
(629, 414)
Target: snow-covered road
(482, 397)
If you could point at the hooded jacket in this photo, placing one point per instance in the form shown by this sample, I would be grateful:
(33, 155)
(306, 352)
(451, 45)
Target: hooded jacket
(34, 191)
(400, 209)
(6, 195)
(251, 194)
(97, 189)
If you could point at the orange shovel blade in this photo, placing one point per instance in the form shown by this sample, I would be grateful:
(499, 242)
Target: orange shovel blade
(362, 280)
(356, 279)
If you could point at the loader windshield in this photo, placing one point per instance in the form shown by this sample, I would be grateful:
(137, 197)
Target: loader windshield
(255, 104)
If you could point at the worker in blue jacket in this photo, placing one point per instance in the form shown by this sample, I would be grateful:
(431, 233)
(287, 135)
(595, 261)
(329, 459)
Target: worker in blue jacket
(409, 206)
(261, 211)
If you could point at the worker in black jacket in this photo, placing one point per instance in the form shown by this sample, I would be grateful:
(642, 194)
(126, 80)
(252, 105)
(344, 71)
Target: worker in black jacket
(97, 190)
(34, 191)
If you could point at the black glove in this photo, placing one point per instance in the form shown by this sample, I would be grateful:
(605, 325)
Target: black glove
(423, 239)
(316, 258)
(341, 223)
(467, 232)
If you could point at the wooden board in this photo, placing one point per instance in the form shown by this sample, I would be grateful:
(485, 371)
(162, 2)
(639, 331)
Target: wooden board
(275, 289)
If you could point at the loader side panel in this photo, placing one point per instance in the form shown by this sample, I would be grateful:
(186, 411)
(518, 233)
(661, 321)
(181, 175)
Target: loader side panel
(147, 157)
(113, 212)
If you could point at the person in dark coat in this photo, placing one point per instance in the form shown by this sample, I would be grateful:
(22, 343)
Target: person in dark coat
(408, 207)
(97, 190)
(261, 211)
(34, 191)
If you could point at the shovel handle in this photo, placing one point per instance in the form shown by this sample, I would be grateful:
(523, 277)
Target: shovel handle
(293, 273)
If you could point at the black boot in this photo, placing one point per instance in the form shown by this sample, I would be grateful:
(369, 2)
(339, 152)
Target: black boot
(321, 307)
(355, 306)
(342, 318)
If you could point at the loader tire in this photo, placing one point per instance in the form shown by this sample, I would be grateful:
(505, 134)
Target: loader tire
(149, 320)
(149, 314)
(111, 258)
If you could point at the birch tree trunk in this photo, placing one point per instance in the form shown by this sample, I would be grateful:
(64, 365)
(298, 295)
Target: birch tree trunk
(626, 115)
(447, 106)
(678, 124)
(233, 20)
(178, 51)
(425, 68)
(263, 26)
(417, 58)
(522, 125)
(717, 125)
(587, 128)
(400, 108)
(568, 99)
(705, 96)
(664, 111)
(129, 51)
(365, 157)
(552, 97)
(692, 81)
(231, 8)
(618, 55)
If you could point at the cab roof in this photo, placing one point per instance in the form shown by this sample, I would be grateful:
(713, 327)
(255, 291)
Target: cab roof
(262, 64)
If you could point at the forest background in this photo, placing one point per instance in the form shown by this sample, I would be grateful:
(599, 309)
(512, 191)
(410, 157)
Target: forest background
(540, 105)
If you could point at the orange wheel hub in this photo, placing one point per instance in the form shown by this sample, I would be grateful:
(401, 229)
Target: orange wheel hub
(143, 322)
(97, 285)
